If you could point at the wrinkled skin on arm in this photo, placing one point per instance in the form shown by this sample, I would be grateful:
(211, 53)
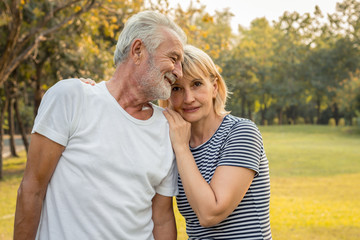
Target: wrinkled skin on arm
(163, 218)
(43, 157)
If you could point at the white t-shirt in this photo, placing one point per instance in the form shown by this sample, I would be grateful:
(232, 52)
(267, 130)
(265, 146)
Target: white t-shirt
(112, 166)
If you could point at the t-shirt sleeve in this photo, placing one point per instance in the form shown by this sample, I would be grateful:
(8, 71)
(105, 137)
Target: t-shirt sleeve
(168, 186)
(243, 147)
(59, 111)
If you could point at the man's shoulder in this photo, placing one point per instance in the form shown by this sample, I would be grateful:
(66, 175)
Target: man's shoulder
(68, 84)
(158, 111)
(157, 108)
(68, 88)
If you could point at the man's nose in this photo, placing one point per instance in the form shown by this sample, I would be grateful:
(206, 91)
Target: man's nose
(178, 70)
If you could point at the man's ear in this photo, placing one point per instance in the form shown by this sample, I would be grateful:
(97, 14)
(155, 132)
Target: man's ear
(137, 48)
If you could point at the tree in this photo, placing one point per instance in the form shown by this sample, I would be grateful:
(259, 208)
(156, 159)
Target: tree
(24, 35)
(25, 25)
(251, 59)
(348, 96)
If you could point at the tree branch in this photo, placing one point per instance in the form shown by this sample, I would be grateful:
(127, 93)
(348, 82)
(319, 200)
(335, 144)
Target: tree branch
(14, 32)
(33, 31)
(13, 58)
(56, 27)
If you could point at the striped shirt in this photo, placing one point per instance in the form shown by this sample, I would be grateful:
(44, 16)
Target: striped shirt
(237, 142)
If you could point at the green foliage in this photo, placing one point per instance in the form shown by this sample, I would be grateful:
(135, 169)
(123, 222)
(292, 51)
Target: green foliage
(297, 69)
(27, 115)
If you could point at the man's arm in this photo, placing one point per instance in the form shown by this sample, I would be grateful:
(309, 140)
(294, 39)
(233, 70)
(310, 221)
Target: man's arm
(43, 157)
(163, 218)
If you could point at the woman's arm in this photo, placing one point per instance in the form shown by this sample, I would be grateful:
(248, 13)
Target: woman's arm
(212, 202)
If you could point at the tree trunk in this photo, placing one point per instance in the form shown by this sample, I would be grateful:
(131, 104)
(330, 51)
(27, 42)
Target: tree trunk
(37, 90)
(2, 115)
(280, 116)
(249, 111)
(336, 113)
(294, 114)
(263, 111)
(243, 106)
(12, 128)
(21, 126)
(318, 104)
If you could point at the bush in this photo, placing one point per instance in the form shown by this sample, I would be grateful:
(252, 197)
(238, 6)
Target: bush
(354, 121)
(300, 120)
(332, 122)
(276, 121)
(357, 122)
(315, 120)
(341, 122)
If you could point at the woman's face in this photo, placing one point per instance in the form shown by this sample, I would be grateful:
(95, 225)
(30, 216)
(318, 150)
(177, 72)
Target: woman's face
(193, 98)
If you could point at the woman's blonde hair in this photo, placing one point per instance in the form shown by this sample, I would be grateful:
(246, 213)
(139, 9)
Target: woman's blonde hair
(197, 64)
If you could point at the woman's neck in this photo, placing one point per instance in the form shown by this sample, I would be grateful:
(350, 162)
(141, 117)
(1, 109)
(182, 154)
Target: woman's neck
(202, 131)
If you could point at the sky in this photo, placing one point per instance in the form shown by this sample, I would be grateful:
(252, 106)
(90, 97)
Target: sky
(247, 10)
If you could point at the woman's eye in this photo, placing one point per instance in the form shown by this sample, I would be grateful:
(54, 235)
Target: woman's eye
(175, 89)
(197, 84)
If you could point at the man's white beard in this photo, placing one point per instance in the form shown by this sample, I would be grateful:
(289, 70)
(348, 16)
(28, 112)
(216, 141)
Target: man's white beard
(154, 84)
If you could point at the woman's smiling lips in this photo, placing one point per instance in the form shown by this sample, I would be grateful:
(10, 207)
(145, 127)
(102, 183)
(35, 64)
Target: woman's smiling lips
(190, 110)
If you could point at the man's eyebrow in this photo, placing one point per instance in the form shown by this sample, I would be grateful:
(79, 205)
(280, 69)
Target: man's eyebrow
(181, 56)
(178, 55)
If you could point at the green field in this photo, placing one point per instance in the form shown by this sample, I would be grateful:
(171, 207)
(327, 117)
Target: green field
(315, 178)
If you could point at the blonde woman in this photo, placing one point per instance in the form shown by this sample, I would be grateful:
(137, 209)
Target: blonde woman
(224, 186)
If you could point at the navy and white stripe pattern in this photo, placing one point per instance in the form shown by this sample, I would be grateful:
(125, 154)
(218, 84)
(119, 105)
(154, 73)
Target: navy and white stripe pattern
(237, 142)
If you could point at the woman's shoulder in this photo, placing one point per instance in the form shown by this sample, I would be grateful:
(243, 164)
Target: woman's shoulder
(237, 125)
(237, 122)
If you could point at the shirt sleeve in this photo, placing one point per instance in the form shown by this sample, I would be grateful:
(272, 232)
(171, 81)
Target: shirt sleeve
(168, 186)
(59, 111)
(243, 147)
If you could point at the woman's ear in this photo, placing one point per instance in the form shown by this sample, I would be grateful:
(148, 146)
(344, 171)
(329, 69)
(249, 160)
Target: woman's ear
(216, 88)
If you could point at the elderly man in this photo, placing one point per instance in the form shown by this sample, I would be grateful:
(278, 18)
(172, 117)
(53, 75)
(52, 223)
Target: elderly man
(100, 162)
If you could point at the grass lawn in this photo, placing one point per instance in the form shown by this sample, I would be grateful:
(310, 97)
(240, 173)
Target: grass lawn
(12, 172)
(315, 177)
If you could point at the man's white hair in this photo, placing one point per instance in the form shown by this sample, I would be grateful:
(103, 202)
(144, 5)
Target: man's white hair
(147, 26)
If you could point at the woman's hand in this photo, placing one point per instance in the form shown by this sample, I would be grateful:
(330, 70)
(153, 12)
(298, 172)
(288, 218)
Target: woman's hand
(88, 81)
(180, 130)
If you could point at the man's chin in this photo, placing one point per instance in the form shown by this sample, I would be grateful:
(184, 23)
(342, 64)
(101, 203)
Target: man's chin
(164, 97)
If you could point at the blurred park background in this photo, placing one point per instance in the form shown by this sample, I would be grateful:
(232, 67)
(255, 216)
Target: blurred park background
(297, 77)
